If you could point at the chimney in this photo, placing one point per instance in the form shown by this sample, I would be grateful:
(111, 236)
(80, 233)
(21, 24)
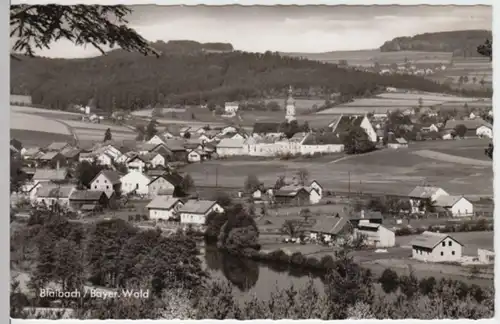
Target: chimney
(57, 165)
(362, 214)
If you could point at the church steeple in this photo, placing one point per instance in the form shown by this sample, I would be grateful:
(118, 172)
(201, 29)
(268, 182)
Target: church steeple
(290, 106)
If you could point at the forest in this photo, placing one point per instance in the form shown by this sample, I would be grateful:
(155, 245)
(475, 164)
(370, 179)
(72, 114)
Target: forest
(122, 80)
(461, 43)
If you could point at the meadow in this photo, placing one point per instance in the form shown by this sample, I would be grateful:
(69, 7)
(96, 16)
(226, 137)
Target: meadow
(369, 57)
(385, 171)
(22, 121)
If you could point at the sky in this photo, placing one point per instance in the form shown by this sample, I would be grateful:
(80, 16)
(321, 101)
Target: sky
(311, 29)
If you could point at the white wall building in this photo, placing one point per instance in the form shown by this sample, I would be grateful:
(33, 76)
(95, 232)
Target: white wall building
(436, 247)
(163, 207)
(459, 206)
(421, 193)
(231, 147)
(231, 107)
(195, 211)
(135, 181)
(484, 131)
(376, 235)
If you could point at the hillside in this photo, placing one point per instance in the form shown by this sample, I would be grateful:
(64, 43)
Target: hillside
(460, 43)
(132, 81)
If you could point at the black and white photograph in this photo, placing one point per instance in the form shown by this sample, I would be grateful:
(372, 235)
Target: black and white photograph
(245, 162)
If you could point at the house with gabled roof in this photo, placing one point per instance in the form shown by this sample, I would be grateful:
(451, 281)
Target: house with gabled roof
(231, 147)
(470, 124)
(296, 196)
(436, 247)
(272, 129)
(458, 206)
(32, 153)
(135, 182)
(341, 125)
(51, 194)
(71, 154)
(43, 175)
(51, 159)
(88, 200)
(328, 229)
(375, 235)
(195, 211)
(107, 181)
(396, 143)
(164, 184)
(424, 194)
(164, 207)
(326, 142)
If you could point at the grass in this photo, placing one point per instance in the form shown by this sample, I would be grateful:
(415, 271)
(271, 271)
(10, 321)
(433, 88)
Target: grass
(37, 123)
(385, 171)
(34, 138)
(301, 105)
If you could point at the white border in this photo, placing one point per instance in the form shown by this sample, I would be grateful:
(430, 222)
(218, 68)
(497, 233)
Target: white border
(4, 94)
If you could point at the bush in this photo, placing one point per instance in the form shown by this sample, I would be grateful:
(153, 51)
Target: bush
(389, 281)
(427, 285)
(297, 259)
(327, 262)
(278, 256)
(312, 262)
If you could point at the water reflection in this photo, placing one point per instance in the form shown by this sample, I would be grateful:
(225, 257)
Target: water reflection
(242, 273)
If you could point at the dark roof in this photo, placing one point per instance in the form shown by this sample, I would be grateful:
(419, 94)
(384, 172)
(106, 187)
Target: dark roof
(266, 128)
(112, 176)
(163, 202)
(322, 139)
(55, 191)
(70, 152)
(344, 122)
(173, 178)
(470, 124)
(57, 146)
(197, 206)
(49, 156)
(290, 193)
(331, 225)
(51, 174)
(87, 195)
(155, 172)
(16, 143)
(175, 145)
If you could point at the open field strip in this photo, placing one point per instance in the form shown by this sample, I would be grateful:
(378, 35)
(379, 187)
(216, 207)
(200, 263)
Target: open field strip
(97, 127)
(361, 110)
(452, 158)
(425, 97)
(300, 104)
(36, 123)
(33, 110)
(148, 112)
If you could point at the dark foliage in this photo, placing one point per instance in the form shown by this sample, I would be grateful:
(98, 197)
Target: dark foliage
(389, 281)
(136, 82)
(486, 49)
(489, 151)
(461, 42)
(356, 141)
(86, 172)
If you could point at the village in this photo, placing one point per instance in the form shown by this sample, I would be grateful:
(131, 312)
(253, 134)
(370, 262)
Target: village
(143, 182)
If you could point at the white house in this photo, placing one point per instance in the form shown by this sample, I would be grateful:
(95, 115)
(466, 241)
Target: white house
(436, 247)
(156, 159)
(164, 184)
(315, 184)
(314, 196)
(194, 156)
(135, 181)
(196, 211)
(157, 139)
(327, 142)
(87, 157)
(344, 122)
(107, 181)
(459, 206)
(136, 163)
(104, 158)
(376, 235)
(163, 207)
(486, 256)
(422, 193)
(124, 158)
(484, 131)
(231, 107)
(230, 147)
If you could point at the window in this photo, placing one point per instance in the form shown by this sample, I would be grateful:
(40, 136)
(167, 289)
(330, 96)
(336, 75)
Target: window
(97, 181)
(452, 252)
(105, 181)
(107, 187)
(95, 187)
(443, 244)
(449, 243)
(442, 253)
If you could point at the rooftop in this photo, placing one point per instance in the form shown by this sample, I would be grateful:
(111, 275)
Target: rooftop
(92, 195)
(430, 239)
(331, 225)
(197, 206)
(163, 202)
(51, 174)
(423, 192)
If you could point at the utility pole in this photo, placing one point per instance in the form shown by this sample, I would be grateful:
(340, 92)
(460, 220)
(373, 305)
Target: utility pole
(217, 177)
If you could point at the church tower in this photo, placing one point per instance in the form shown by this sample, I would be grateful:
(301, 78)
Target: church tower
(290, 106)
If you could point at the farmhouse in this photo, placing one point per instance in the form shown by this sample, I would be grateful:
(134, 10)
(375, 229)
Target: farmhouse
(124, 158)
(422, 195)
(328, 142)
(197, 155)
(164, 184)
(52, 159)
(104, 158)
(88, 200)
(159, 139)
(316, 185)
(486, 256)
(436, 247)
(177, 148)
(327, 229)
(376, 235)
(342, 124)
(196, 211)
(71, 154)
(297, 196)
(51, 194)
(135, 182)
(314, 196)
(163, 207)
(32, 153)
(231, 147)
(231, 107)
(51, 175)
(458, 206)
(107, 181)
(364, 216)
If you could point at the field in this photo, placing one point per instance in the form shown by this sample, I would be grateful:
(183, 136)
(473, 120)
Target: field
(34, 138)
(369, 57)
(384, 171)
(301, 105)
(392, 101)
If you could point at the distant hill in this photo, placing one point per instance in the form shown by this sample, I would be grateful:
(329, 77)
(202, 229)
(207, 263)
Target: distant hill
(460, 43)
(131, 81)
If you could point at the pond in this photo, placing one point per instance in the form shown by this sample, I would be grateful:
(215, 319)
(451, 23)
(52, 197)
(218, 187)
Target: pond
(250, 278)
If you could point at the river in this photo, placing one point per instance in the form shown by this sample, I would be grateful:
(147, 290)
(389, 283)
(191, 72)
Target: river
(250, 278)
